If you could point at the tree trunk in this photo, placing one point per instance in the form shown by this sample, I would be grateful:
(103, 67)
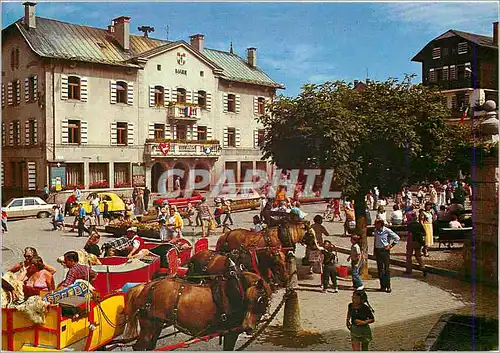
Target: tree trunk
(360, 212)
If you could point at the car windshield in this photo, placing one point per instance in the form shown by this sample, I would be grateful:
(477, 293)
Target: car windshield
(7, 203)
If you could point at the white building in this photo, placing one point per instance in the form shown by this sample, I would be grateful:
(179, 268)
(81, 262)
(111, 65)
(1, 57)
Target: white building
(101, 108)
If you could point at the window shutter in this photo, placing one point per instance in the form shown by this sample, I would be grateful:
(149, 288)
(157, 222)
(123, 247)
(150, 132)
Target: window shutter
(84, 89)
(209, 101)
(151, 96)
(35, 88)
(113, 134)
(10, 96)
(174, 131)
(151, 130)
(467, 73)
(256, 105)
(195, 97)
(4, 141)
(112, 91)
(436, 53)
(18, 92)
(224, 138)
(64, 132)
(195, 132)
(209, 133)
(3, 95)
(238, 104)
(432, 75)
(18, 136)
(26, 89)
(446, 72)
(31, 176)
(453, 72)
(173, 95)
(168, 131)
(84, 128)
(189, 96)
(35, 133)
(237, 137)
(453, 102)
(166, 99)
(224, 102)
(64, 87)
(130, 93)
(11, 134)
(255, 138)
(130, 134)
(27, 132)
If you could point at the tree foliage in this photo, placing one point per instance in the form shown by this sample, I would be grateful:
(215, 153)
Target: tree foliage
(389, 134)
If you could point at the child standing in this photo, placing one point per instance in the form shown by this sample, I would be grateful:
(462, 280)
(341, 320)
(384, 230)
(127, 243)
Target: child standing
(105, 215)
(359, 318)
(356, 262)
(329, 268)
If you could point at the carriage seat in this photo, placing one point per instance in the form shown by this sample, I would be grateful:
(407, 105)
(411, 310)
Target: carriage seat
(73, 305)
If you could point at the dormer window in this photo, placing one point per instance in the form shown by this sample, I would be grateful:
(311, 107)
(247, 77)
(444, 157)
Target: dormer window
(462, 48)
(436, 53)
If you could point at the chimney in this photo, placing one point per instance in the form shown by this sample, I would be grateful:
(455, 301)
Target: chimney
(111, 29)
(122, 31)
(198, 42)
(252, 56)
(495, 33)
(29, 15)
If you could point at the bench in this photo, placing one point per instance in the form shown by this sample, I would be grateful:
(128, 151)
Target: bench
(453, 235)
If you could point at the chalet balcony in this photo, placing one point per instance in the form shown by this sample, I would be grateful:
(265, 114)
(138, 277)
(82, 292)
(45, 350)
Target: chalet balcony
(183, 111)
(182, 148)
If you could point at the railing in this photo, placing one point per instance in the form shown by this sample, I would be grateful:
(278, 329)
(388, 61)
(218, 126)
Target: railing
(179, 149)
(182, 111)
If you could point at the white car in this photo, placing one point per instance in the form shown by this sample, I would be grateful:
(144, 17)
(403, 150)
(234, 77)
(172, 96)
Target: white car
(27, 207)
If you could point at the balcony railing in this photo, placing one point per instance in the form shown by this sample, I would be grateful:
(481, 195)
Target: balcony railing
(210, 149)
(181, 111)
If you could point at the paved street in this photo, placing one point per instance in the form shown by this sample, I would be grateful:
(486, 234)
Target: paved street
(403, 318)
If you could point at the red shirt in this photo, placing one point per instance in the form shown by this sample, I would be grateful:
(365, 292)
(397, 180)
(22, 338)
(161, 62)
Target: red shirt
(138, 239)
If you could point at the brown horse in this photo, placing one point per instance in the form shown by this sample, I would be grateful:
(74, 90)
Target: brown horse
(196, 309)
(209, 262)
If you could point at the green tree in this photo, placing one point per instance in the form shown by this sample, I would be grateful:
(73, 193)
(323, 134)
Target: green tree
(388, 134)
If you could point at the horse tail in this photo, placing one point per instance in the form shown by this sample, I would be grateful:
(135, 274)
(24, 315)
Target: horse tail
(132, 310)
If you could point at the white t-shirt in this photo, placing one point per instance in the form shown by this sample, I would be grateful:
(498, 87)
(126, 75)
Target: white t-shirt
(455, 224)
(397, 216)
(382, 216)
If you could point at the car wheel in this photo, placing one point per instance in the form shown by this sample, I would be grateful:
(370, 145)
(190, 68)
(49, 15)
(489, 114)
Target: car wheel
(43, 215)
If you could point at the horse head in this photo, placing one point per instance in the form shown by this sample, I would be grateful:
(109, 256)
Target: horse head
(257, 298)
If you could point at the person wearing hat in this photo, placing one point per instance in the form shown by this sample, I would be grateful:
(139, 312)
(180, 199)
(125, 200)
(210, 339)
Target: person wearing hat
(227, 203)
(136, 241)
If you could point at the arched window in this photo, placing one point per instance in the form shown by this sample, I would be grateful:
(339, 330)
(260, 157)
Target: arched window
(231, 103)
(121, 92)
(202, 99)
(159, 96)
(181, 95)
(74, 88)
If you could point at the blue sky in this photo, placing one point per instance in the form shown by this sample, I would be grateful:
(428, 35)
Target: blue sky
(296, 42)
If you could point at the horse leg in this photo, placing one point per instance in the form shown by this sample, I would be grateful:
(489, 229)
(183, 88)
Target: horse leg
(150, 331)
(230, 341)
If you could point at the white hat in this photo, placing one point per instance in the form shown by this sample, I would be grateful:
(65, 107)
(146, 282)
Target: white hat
(132, 229)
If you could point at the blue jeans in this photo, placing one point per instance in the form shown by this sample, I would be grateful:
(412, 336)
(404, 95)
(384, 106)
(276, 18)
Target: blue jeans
(356, 278)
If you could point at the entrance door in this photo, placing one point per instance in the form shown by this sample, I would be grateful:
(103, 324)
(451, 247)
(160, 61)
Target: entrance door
(156, 171)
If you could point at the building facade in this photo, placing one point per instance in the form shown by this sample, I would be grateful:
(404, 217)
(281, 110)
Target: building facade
(101, 108)
(465, 67)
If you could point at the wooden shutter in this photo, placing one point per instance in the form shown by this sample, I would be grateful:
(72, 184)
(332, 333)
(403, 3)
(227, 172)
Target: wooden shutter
(166, 99)
(27, 89)
(35, 132)
(10, 95)
(84, 89)
(84, 131)
(256, 105)
(64, 132)
(151, 130)
(195, 97)
(27, 132)
(152, 96)
(113, 134)
(209, 100)
(3, 95)
(130, 134)
(31, 176)
(64, 87)
(112, 91)
(35, 88)
(237, 104)
(4, 134)
(224, 137)
(224, 102)
(453, 72)
(173, 95)
(210, 135)
(11, 134)
(168, 131)
(255, 138)
(195, 132)
(237, 137)
(189, 96)
(18, 92)
(18, 136)
(130, 93)
(174, 131)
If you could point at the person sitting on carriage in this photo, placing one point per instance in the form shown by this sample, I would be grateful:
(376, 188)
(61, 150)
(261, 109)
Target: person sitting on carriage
(297, 212)
(257, 224)
(75, 271)
(136, 242)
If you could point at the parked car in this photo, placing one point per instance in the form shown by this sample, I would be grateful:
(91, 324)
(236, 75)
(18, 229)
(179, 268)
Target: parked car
(28, 207)
(116, 204)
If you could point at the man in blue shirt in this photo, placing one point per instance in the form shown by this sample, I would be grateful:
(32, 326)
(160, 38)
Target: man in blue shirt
(383, 246)
(82, 215)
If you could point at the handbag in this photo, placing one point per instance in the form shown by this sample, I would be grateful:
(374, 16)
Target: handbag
(212, 224)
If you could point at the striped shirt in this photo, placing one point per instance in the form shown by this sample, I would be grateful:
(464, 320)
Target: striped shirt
(78, 272)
